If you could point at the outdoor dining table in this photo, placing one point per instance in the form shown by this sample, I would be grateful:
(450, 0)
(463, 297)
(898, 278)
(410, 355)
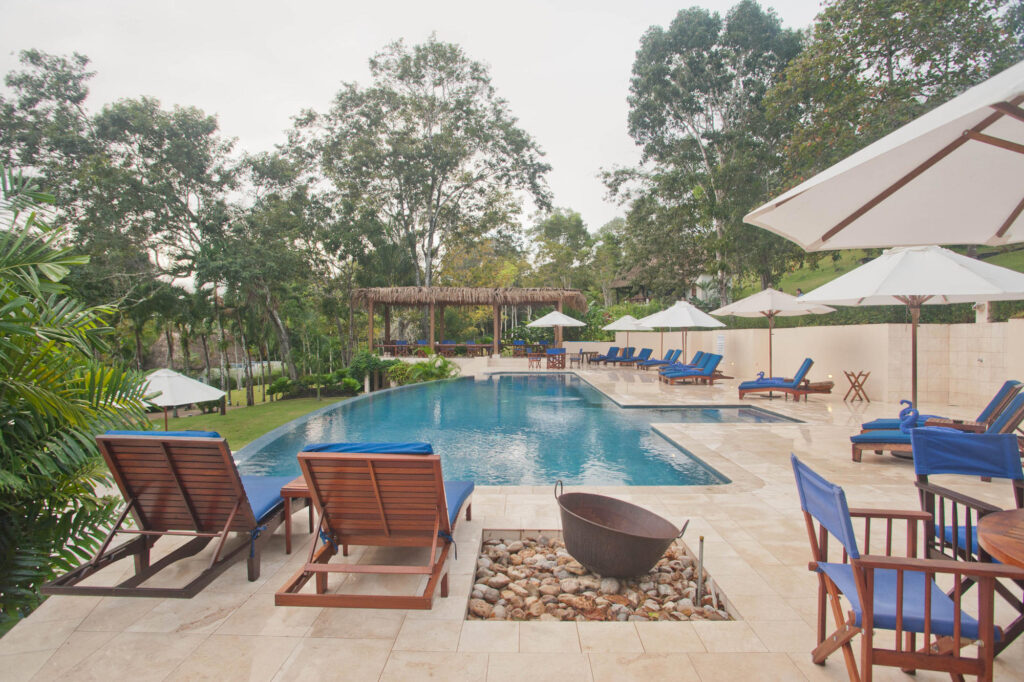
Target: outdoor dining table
(1001, 534)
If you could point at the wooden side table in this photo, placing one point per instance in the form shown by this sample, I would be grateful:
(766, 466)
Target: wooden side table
(857, 380)
(1001, 534)
(295, 490)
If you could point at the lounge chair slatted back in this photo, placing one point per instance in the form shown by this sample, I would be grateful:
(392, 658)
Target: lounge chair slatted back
(180, 483)
(377, 494)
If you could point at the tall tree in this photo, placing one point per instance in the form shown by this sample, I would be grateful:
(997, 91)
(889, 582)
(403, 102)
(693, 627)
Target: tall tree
(695, 108)
(427, 152)
(872, 65)
(563, 248)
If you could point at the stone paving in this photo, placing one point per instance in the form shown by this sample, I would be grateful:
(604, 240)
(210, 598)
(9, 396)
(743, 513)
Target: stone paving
(755, 547)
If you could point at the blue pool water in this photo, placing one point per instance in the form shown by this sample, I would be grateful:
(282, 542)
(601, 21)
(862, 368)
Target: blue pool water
(509, 430)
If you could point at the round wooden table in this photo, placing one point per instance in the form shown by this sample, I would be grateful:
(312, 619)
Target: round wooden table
(1001, 534)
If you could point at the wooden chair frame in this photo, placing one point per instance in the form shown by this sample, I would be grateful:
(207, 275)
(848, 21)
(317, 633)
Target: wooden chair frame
(949, 507)
(938, 653)
(369, 514)
(161, 480)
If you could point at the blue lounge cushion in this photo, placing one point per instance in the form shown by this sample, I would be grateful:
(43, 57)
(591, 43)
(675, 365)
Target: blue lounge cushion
(166, 434)
(889, 423)
(942, 619)
(756, 383)
(410, 448)
(884, 436)
(264, 493)
(456, 493)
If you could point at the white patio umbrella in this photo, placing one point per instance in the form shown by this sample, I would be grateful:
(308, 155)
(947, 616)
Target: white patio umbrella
(771, 303)
(951, 176)
(916, 276)
(626, 323)
(177, 389)
(558, 320)
(680, 315)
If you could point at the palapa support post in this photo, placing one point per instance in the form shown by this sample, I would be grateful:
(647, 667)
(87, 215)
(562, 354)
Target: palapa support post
(440, 322)
(430, 341)
(369, 324)
(387, 325)
(497, 325)
(558, 329)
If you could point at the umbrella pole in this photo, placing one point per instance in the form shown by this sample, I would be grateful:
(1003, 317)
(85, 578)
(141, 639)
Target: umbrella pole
(771, 328)
(915, 317)
(165, 419)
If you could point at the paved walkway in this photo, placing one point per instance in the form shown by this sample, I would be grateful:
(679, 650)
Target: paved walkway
(755, 545)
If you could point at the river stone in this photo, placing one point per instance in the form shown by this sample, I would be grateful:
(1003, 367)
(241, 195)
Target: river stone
(651, 605)
(575, 567)
(666, 591)
(480, 608)
(515, 546)
(518, 589)
(570, 586)
(498, 581)
(609, 586)
(498, 613)
(536, 609)
(491, 595)
(550, 590)
(589, 582)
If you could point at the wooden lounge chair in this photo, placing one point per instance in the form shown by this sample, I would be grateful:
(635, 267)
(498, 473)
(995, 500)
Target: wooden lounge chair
(697, 362)
(796, 387)
(939, 451)
(378, 494)
(899, 594)
(898, 441)
(995, 406)
(179, 483)
(626, 354)
(613, 352)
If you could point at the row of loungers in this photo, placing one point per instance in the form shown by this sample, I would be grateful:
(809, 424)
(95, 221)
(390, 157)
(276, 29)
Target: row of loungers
(185, 483)
(703, 368)
(1003, 414)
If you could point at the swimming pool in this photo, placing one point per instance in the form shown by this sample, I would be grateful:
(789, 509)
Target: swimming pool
(515, 429)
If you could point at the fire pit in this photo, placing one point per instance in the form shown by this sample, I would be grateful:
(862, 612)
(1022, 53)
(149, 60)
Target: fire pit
(611, 537)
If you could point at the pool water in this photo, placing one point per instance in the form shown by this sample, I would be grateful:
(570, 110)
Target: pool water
(509, 430)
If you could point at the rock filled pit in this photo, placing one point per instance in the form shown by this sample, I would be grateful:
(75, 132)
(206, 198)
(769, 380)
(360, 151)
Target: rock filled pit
(535, 578)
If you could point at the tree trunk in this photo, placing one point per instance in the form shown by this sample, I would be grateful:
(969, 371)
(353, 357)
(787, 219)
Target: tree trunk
(186, 352)
(282, 338)
(264, 361)
(249, 398)
(204, 343)
(222, 347)
(169, 338)
(138, 347)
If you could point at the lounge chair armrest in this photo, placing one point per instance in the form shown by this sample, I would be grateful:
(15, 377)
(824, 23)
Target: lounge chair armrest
(974, 569)
(955, 496)
(901, 514)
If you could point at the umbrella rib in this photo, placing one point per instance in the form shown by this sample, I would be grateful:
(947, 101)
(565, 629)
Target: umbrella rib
(1010, 219)
(915, 172)
(1010, 110)
(995, 141)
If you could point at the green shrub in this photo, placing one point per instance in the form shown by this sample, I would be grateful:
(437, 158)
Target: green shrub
(280, 386)
(434, 368)
(350, 385)
(399, 374)
(365, 362)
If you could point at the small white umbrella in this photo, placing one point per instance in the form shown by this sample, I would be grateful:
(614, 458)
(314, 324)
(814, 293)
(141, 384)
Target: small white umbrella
(680, 315)
(626, 323)
(916, 276)
(771, 303)
(556, 319)
(177, 389)
(951, 176)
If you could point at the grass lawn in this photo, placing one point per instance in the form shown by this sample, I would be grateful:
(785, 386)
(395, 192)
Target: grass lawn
(243, 425)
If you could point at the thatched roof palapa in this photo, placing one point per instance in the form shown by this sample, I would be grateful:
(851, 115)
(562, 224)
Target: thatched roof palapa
(466, 296)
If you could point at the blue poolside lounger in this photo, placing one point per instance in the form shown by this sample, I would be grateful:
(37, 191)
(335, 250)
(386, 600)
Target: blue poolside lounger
(670, 356)
(694, 363)
(644, 354)
(796, 386)
(1002, 397)
(613, 352)
(626, 354)
(898, 441)
(705, 373)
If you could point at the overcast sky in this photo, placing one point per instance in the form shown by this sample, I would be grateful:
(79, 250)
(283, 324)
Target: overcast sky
(562, 65)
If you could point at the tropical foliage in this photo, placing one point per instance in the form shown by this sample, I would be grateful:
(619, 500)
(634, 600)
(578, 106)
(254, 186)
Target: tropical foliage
(54, 397)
